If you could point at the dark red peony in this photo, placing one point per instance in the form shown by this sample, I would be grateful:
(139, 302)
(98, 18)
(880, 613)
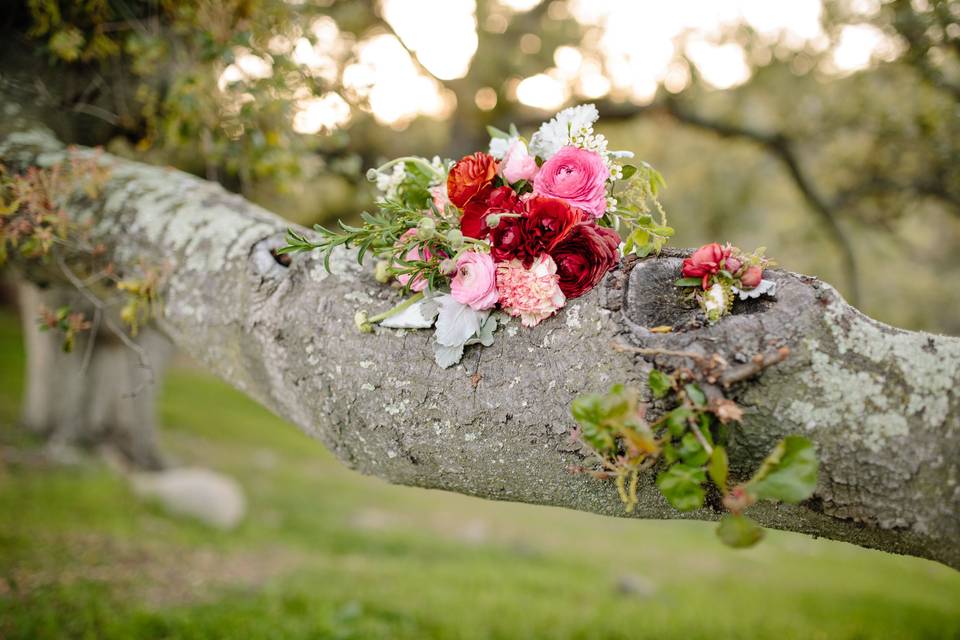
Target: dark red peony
(584, 256)
(547, 221)
(705, 262)
(506, 240)
(469, 176)
(544, 223)
(473, 223)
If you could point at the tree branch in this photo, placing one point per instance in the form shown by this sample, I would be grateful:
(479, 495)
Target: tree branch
(881, 404)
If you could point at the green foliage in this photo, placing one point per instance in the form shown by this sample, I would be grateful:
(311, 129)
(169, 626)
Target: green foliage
(328, 553)
(637, 199)
(682, 485)
(788, 474)
(688, 442)
(36, 229)
(739, 531)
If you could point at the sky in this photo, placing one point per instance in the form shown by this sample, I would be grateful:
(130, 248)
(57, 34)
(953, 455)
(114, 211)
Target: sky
(636, 52)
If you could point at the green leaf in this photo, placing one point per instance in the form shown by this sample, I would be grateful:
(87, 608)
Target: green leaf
(739, 532)
(628, 171)
(789, 473)
(681, 484)
(660, 383)
(589, 412)
(497, 133)
(677, 420)
(691, 451)
(695, 394)
(718, 468)
(689, 282)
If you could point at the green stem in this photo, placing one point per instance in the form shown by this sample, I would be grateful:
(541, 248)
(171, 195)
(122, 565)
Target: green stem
(380, 317)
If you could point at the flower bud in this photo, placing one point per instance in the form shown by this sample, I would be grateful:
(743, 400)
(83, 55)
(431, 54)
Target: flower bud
(362, 320)
(733, 265)
(372, 175)
(493, 220)
(751, 277)
(448, 266)
(455, 238)
(382, 272)
(426, 228)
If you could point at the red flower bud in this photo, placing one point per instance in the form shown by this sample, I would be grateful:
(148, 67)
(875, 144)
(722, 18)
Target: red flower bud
(751, 277)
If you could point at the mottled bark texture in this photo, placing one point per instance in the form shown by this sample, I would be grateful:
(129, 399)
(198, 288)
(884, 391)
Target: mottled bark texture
(880, 403)
(99, 396)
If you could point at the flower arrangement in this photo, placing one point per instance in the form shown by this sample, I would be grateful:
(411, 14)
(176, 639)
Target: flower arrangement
(513, 232)
(719, 273)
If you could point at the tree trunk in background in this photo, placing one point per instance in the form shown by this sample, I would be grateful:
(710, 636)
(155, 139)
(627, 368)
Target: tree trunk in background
(104, 399)
(881, 404)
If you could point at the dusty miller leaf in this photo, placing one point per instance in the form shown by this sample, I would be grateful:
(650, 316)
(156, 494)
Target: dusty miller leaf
(456, 322)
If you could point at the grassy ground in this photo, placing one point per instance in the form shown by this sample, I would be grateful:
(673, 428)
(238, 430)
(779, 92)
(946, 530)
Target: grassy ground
(326, 553)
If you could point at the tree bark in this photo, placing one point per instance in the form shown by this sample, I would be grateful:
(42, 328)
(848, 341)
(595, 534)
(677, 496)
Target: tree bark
(98, 396)
(880, 403)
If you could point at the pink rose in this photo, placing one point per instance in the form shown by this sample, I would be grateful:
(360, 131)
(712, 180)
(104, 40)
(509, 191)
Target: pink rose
(518, 164)
(577, 176)
(419, 283)
(476, 281)
(532, 294)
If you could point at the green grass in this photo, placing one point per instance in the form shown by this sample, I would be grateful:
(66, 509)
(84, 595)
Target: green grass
(327, 553)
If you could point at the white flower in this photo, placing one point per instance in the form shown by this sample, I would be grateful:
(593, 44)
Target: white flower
(768, 287)
(499, 146)
(572, 126)
(714, 302)
(388, 183)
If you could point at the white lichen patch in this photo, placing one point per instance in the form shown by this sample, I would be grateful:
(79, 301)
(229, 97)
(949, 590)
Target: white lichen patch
(839, 397)
(397, 408)
(573, 317)
(929, 364)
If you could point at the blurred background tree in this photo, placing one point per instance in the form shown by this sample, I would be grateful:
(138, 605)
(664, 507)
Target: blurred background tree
(828, 131)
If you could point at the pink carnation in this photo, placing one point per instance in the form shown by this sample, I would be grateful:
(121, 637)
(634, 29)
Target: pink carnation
(419, 283)
(476, 281)
(532, 294)
(518, 164)
(577, 176)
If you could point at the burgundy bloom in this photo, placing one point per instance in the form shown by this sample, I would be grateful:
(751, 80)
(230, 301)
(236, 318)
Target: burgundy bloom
(544, 223)
(473, 223)
(584, 256)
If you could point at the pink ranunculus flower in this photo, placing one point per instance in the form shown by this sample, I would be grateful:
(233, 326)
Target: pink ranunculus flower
(419, 283)
(577, 176)
(532, 294)
(476, 281)
(518, 164)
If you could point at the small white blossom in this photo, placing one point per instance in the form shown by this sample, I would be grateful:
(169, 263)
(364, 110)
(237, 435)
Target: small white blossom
(499, 146)
(572, 126)
(388, 183)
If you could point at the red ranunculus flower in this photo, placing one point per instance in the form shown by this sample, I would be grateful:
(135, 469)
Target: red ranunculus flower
(705, 262)
(473, 223)
(469, 176)
(584, 256)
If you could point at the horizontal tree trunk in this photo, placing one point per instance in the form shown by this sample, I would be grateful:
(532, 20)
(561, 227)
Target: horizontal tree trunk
(880, 403)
